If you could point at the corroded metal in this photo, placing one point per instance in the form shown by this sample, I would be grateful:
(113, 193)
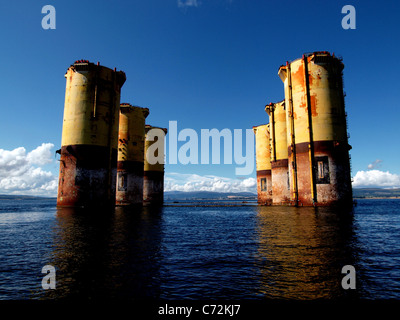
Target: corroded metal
(318, 148)
(88, 163)
(130, 166)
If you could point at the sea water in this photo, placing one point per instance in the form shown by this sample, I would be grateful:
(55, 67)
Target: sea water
(199, 251)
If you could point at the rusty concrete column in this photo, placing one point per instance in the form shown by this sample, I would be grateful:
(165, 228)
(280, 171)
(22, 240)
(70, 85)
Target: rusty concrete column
(279, 153)
(153, 180)
(88, 164)
(263, 164)
(321, 151)
(130, 165)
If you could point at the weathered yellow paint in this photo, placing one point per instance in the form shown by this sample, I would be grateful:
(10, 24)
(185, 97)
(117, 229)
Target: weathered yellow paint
(91, 105)
(131, 134)
(278, 130)
(263, 151)
(326, 99)
(161, 132)
(285, 74)
(88, 163)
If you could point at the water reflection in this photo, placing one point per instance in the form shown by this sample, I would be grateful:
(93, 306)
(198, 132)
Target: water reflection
(257, 252)
(107, 254)
(302, 251)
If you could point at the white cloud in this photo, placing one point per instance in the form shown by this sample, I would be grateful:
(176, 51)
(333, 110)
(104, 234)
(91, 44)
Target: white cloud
(19, 174)
(375, 164)
(41, 155)
(376, 178)
(188, 3)
(193, 182)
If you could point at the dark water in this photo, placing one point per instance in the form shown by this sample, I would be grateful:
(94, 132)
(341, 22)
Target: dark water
(180, 252)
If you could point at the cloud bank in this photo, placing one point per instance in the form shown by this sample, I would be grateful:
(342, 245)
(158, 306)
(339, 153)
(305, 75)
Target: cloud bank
(376, 178)
(194, 182)
(20, 172)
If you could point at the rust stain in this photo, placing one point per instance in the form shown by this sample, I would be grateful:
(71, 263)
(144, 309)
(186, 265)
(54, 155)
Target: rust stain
(303, 178)
(264, 196)
(310, 76)
(280, 190)
(298, 76)
(315, 78)
(310, 80)
(303, 103)
(314, 100)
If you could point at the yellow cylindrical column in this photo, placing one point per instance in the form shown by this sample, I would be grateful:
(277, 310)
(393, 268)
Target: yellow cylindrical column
(263, 164)
(130, 165)
(279, 152)
(88, 164)
(319, 154)
(153, 180)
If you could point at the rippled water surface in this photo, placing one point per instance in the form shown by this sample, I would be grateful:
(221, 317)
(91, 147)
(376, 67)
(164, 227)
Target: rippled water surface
(197, 252)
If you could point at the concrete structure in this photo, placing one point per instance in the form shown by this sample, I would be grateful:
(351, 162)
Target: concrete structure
(279, 152)
(153, 180)
(318, 149)
(263, 164)
(130, 165)
(88, 164)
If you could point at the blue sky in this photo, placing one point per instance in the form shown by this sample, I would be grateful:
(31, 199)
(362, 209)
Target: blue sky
(205, 64)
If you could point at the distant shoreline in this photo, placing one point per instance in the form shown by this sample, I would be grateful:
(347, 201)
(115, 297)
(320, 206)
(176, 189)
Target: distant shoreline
(375, 198)
(216, 196)
(24, 197)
